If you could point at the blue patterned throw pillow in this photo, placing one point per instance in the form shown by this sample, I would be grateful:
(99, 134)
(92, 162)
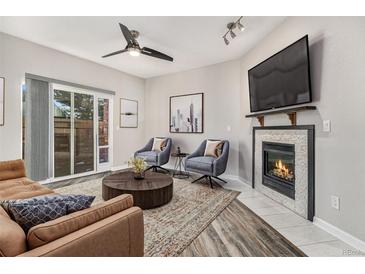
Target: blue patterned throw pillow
(37, 210)
(79, 202)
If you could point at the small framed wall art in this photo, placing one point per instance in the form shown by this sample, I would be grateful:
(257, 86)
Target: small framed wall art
(128, 113)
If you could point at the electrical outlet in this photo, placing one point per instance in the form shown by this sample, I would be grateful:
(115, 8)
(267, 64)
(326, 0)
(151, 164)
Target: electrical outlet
(326, 125)
(335, 202)
(229, 128)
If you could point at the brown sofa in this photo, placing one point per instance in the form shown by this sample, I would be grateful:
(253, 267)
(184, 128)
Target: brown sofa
(112, 228)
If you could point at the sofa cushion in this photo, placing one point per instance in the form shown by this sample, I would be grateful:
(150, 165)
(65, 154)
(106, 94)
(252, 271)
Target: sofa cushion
(30, 212)
(148, 156)
(11, 170)
(203, 163)
(52, 230)
(21, 188)
(12, 237)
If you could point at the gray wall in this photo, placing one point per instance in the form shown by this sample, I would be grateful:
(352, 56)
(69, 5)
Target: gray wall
(337, 62)
(18, 57)
(220, 84)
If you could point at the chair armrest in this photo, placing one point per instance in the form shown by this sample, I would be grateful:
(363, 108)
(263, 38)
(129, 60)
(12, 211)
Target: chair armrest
(220, 164)
(193, 155)
(145, 148)
(198, 152)
(121, 234)
(164, 155)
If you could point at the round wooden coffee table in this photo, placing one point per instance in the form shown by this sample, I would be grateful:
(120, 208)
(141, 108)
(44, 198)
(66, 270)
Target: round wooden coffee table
(153, 191)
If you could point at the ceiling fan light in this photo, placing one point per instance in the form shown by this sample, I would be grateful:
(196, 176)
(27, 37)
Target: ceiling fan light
(134, 52)
(233, 35)
(226, 40)
(240, 26)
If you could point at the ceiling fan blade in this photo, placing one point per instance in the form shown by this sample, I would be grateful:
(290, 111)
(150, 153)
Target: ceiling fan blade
(156, 54)
(128, 35)
(115, 53)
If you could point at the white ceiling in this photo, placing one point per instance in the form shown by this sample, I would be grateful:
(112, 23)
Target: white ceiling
(192, 41)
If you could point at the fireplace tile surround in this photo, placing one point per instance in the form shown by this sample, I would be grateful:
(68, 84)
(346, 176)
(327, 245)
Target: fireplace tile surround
(302, 138)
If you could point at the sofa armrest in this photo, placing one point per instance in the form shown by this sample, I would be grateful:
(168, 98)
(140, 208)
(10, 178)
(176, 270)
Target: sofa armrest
(47, 232)
(12, 170)
(121, 234)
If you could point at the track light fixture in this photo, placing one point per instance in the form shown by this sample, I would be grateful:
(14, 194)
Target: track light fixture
(231, 26)
(240, 26)
(226, 40)
(233, 35)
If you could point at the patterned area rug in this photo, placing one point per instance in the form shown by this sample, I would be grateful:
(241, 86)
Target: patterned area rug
(171, 228)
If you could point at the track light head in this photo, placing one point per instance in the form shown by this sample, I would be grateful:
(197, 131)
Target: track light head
(240, 26)
(233, 35)
(226, 40)
(231, 26)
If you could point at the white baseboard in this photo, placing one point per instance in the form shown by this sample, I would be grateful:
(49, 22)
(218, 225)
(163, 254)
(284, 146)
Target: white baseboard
(168, 166)
(243, 180)
(230, 177)
(45, 182)
(223, 176)
(342, 235)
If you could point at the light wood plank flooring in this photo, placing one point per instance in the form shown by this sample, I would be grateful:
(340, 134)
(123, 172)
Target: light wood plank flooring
(237, 231)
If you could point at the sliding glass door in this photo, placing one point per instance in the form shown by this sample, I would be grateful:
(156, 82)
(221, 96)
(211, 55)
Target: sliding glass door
(103, 133)
(83, 133)
(81, 130)
(62, 133)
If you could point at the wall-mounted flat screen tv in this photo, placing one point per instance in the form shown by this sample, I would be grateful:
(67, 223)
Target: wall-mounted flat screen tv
(281, 80)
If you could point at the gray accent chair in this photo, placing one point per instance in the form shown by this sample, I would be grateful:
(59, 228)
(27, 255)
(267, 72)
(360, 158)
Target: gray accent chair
(210, 167)
(155, 159)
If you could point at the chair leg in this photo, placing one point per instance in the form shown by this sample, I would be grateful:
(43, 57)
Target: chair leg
(202, 177)
(151, 167)
(162, 168)
(210, 181)
(155, 169)
(220, 179)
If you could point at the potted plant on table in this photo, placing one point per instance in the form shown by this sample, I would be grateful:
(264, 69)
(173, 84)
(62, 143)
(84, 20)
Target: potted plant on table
(139, 165)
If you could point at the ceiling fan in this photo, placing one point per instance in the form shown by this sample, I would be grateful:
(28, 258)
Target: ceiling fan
(133, 47)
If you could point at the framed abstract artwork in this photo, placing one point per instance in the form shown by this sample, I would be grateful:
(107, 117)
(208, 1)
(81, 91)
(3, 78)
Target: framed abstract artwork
(187, 113)
(2, 100)
(128, 113)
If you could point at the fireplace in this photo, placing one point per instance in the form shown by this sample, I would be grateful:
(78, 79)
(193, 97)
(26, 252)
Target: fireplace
(290, 181)
(278, 167)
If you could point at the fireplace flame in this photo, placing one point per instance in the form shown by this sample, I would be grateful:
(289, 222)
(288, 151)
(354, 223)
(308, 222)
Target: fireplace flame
(281, 170)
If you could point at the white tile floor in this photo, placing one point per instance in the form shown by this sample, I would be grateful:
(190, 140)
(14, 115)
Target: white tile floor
(311, 239)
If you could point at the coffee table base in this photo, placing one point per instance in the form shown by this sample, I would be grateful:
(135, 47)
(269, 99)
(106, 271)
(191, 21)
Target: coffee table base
(154, 190)
(145, 200)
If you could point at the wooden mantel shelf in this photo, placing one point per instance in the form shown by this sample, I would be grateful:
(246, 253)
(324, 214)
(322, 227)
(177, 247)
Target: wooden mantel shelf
(291, 112)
